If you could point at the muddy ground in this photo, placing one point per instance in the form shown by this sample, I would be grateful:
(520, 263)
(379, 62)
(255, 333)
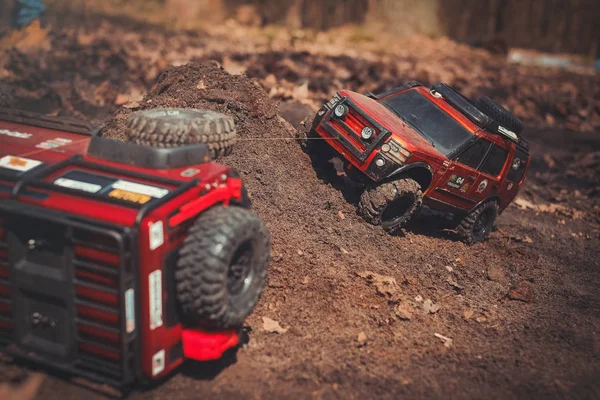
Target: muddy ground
(364, 314)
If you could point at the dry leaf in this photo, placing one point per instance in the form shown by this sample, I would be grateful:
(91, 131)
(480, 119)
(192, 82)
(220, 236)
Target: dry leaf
(468, 314)
(272, 326)
(446, 340)
(430, 307)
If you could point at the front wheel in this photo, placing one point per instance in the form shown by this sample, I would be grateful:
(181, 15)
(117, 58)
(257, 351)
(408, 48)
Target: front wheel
(478, 224)
(391, 204)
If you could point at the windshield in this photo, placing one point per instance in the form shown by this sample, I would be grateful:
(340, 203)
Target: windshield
(434, 124)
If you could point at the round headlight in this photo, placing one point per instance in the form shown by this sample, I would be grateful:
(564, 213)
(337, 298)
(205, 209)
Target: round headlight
(340, 111)
(367, 132)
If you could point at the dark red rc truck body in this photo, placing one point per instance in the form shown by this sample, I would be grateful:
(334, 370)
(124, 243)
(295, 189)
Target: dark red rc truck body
(94, 313)
(441, 191)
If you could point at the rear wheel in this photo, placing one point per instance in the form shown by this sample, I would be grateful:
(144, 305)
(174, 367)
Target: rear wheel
(476, 226)
(391, 204)
(222, 267)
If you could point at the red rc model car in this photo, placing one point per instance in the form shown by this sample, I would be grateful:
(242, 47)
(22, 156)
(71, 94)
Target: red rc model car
(413, 145)
(117, 260)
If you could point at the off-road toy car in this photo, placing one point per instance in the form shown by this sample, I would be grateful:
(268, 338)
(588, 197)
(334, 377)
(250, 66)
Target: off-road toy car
(119, 261)
(413, 145)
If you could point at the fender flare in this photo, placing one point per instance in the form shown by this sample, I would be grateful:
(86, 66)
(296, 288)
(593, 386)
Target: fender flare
(409, 167)
(492, 197)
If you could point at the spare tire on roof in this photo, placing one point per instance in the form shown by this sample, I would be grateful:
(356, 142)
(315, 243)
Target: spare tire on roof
(499, 114)
(172, 127)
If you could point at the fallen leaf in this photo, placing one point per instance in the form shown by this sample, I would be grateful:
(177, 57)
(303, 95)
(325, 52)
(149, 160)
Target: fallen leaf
(341, 215)
(272, 326)
(430, 307)
(527, 239)
(468, 314)
(201, 85)
(522, 292)
(404, 311)
(454, 284)
(121, 99)
(385, 285)
(446, 340)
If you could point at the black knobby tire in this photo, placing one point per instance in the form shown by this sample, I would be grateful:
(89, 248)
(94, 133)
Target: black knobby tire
(164, 127)
(222, 267)
(499, 114)
(477, 225)
(391, 204)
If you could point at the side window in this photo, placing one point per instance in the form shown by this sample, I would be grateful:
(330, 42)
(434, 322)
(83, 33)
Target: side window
(494, 163)
(518, 166)
(472, 156)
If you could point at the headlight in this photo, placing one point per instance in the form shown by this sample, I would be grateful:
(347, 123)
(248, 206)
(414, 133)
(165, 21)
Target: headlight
(367, 132)
(340, 111)
(395, 151)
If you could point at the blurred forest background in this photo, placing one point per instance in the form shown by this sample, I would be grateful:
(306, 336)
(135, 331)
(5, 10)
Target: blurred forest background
(564, 26)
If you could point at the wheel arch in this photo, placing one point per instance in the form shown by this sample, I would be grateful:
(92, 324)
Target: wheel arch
(419, 171)
(493, 197)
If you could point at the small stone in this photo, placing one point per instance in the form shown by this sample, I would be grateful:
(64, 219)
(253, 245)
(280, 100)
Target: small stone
(201, 85)
(344, 251)
(361, 338)
(468, 314)
(341, 215)
(496, 274)
(300, 252)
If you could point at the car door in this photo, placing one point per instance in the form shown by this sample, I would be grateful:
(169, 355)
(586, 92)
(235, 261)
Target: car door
(490, 173)
(457, 186)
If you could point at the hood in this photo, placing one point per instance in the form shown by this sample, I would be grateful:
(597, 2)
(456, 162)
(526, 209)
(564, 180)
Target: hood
(403, 132)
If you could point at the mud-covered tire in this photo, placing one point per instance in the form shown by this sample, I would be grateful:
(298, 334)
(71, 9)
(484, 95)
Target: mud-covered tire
(499, 114)
(222, 268)
(391, 204)
(476, 226)
(164, 127)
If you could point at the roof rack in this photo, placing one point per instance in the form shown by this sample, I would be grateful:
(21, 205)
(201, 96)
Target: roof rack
(45, 121)
(466, 107)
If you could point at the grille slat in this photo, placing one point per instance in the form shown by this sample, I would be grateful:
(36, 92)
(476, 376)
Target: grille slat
(95, 268)
(92, 363)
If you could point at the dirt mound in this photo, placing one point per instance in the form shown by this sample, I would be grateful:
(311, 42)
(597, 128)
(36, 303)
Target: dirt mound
(207, 86)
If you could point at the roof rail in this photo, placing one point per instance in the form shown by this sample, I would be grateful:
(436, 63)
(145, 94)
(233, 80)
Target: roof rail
(72, 125)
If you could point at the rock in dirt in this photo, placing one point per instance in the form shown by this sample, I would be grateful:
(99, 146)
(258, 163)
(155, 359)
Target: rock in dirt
(361, 339)
(522, 292)
(496, 274)
(272, 326)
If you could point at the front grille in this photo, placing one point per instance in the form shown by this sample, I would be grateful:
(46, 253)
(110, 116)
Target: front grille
(348, 130)
(72, 276)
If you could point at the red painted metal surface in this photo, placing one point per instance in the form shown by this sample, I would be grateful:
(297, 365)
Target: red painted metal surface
(203, 345)
(20, 140)
(423, 152)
